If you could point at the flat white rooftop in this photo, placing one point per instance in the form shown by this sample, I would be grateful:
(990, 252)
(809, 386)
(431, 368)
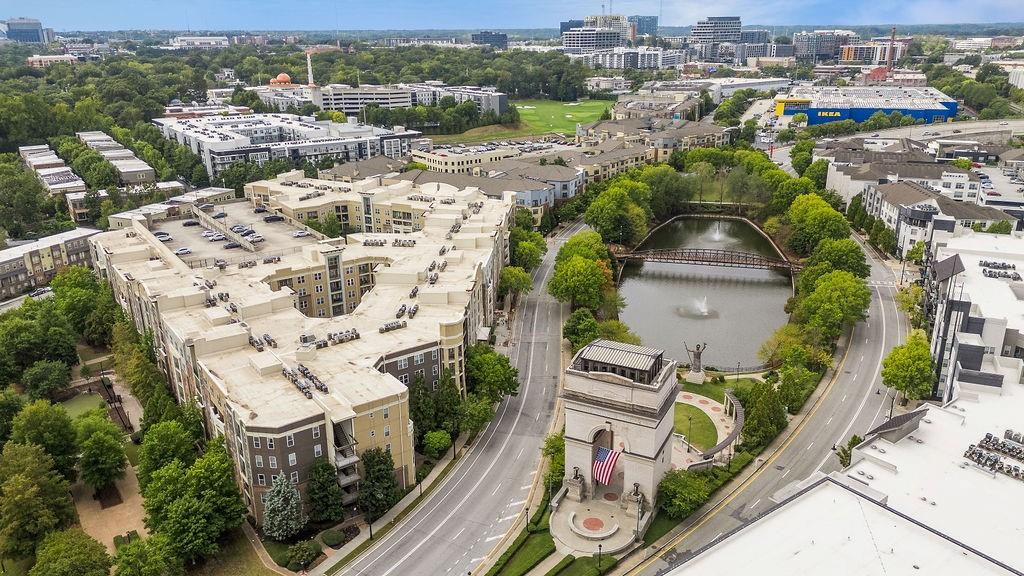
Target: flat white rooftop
(994, 297)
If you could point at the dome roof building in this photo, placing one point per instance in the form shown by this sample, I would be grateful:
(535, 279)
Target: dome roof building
(281, 78)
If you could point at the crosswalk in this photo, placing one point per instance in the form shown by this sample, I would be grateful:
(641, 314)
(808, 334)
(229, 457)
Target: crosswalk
(881, 283)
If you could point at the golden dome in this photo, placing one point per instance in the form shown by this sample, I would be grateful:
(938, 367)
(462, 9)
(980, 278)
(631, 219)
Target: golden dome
(281, 78)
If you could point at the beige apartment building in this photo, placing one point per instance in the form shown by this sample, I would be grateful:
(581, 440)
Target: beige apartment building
(286, 383)
(462, 160)
(34, 264)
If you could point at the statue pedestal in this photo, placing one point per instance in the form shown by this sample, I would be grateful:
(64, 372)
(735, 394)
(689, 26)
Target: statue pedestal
(575, 489)
(631, 504)
(695, 377)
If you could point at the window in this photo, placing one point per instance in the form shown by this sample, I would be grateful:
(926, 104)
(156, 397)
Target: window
(291, 459)
(403, 363)
(259, 461)
(273, 462)
(350, 282)
(387, 411)
(387, 431)
(418, 359)
(404, 379)
(433, 354)
(255, 441)
(316, 432)
(295, 478)
(261, 479)
(300, 280)
(372, 433)
(318, 288)
(289, 440)
(388, 447)
(318, 451)
(317, 275)
(433, 370)
(270, 443)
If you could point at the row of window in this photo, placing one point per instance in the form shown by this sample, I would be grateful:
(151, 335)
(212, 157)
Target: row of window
(403, 363)
(289, 439)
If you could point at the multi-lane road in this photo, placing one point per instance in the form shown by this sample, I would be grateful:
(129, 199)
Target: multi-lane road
(460, 522)
(853, 402)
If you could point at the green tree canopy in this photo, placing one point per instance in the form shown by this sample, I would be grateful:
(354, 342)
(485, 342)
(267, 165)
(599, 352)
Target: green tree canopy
(578, 281)
(436, 442)
(71, 553)
(765, 415)
(153, 556)
(49, 427)
(489, 373)
(841, 254)
(581, 328)
(282, 511)
(162, 444)
(681, 493)
(838, 298)
(908, 367)
(378, 491)
(323, 492)
(514, 280)
(475, 412)
(34, 499)
(813, 220)
(615, 215)
(587, 244)
(45, 378)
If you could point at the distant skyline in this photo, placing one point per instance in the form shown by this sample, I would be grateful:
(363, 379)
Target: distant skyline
(483, 14)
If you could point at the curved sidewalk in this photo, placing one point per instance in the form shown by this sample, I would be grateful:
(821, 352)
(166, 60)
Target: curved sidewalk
(681, 457)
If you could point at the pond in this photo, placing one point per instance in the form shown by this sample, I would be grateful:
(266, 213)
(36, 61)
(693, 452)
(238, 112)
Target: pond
(733, 310)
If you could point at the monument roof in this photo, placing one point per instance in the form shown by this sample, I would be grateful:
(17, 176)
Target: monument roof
(620, 354)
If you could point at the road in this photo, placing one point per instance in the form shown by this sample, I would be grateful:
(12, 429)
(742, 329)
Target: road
(17, 302)
(856, 402)
(459, 523)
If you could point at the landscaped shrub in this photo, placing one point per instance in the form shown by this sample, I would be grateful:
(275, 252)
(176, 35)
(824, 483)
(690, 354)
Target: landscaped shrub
(562, 564)
(303, 554)
(423, 470)
(499, 565)
(332, 538)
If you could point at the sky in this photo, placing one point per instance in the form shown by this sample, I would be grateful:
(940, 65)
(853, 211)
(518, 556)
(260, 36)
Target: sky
(469, 14)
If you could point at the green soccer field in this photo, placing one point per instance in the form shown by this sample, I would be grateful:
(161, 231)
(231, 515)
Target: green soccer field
(535, 117)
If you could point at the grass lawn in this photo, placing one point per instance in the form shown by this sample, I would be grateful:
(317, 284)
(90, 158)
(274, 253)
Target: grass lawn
(278, 551)
(88, 353)
(587, 565)
(82, 403)
(704, 434)
(131, 451)
(661, 525)
(715, 391)
(537, 547)
(535, 117)
(235, 558)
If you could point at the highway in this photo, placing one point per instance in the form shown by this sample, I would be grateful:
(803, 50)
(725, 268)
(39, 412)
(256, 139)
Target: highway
(853, 403)
(460, 522)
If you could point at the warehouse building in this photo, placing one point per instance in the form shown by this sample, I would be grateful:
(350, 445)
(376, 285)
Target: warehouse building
(832, 104)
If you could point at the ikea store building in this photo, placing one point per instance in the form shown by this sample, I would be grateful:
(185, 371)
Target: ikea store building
(831, 104)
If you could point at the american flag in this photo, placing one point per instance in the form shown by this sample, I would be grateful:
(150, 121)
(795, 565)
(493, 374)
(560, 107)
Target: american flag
(604, 465)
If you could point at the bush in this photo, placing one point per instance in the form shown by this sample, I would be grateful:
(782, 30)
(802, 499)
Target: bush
(562, 565)
(423, 470)
(332, 538)
(499, 565)
(303, 554)
(436, 442)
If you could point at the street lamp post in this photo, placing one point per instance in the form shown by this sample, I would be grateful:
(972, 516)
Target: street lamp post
(598, 557)
(689, 431)
(737, 371)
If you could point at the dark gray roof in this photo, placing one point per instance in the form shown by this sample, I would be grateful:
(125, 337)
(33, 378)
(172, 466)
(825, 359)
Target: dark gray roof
(946, 269)
(898, 422)
(879, 170)
(1012, 154)
(910, 193)
(376, 166)
(489, 186)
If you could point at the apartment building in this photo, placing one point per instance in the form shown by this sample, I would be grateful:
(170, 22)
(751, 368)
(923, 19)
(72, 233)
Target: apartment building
(199, 42)
(911, 210)
(55, 176)
(130, 170)
(848, 180)
(586, 40)
(286, 385)
(37, 61)
(642, 57)
(871, 52)
(351, 101)
(462, 160)
(33, 264)
(662, 143)
(820, 45)
(225, 140)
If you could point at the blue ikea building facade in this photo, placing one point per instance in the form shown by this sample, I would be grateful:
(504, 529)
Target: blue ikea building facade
(832, 104)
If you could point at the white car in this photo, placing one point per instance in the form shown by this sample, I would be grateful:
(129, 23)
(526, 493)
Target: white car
(255, 238)
(217, 237)
(208, 233)
(1004, 123)
(182, 251)
(165, 238)
(300, 234)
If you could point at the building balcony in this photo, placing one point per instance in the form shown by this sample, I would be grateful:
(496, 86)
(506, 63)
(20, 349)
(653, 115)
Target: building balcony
(345, 457)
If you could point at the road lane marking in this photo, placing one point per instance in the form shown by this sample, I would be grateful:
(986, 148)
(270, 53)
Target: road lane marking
(809, 446)
(527, 487)
(829, 421)
(844, 398)
(784, 474)
(521, 502)
(475, 560)
(496, 486)
(459, 533)
(521, 450)
(756, 502)
(507, 518)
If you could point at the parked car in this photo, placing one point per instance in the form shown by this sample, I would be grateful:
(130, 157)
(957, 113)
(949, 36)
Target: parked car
(237, 228)
(165, 238)
(220, 215)
(256, 238)
(1004, 123)
(208, 233)
(957, 131)
(300, 234)
(205, 207)
(40, 291)
(259, 209)
(182, 251)
(231, 245)
(190, 223)
(247, 232)
(875, 135)
(273, 218)
(217, 237)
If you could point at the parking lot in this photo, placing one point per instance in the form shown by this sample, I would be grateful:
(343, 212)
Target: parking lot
(277, 235)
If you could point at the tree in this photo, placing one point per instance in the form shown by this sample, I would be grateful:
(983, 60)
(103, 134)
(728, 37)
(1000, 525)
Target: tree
(618, 331)
(153, 556)
(490, 374)
(523, 218)
(103, 459)
(916, 252)
(817, 172)
(447, 399)
(841, 254)
(838, 298)
(162, 444)
(587, 244)
(34, 499)
(617, 217)
(302, 554)
(795, 384)
(812, 220)
(435, 443)
(514, 280)
(45, 378)
(282, 511)
(71, 553)
(765, 415)
(421, 409)
(475, 413)
(164, 487)
(212, 478)
(581, 328)
(579, 281)
(962, 163)
(526, 256)
(800, 162)
(324, 494)
(681, 493)
(1001, 227)
(378, 491)
(799, 118)
(908, 367)
(845, 453)
(190, 527)
(787, 191)
(10, 404)
(49, 427)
